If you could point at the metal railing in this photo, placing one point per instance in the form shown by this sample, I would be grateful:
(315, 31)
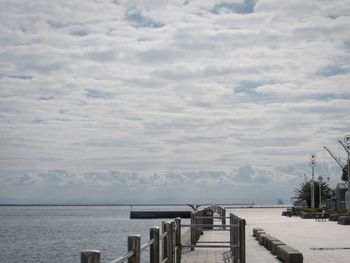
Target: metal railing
(237, 238)
(170, 240)
(166, 247)
(204, 220)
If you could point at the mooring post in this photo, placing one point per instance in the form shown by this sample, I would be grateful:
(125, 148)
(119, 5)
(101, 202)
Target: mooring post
(134, 244)
(242, 224)
(154, 249)
(90, 256)
(178, 239)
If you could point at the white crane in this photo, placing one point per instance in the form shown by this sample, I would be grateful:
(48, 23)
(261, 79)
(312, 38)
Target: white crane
(344, 167)
(335, 157)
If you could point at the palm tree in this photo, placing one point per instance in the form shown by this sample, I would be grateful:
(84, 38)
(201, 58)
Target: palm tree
(304, 192)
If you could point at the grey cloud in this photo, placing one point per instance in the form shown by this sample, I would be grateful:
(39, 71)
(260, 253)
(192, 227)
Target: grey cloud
(143, 82)
(210, 181)
(198, 139)
(80, 32)
(262, 179)
(156, 56)
(23, 77)
(264, 141)
(101, 56)
(249, 87)
(245, 174)
(97, 94)
(333, 70)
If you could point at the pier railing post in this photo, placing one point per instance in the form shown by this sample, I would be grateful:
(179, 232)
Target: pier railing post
(235, 238)
(134, 244)
(238, 242)
(223, 217)
(154, 249)
(198, 220)
(172, 242)
(231, 233)
(193, 230)
(178, 239)
(90, 256)
(242, 224)
(166, 242)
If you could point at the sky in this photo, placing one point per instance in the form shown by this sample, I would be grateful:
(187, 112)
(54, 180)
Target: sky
(170, 101)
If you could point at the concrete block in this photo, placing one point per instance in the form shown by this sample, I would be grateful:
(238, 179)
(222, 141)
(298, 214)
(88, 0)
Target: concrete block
(334, 217)
(288, 254)
(267, 242)
(287, 213)
(344, 220)
(258, 233)
(256, 229)
(262, 238)
(274, 244)
(308, 215)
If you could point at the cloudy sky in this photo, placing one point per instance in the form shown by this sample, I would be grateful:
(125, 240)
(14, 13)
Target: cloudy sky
(174, 101)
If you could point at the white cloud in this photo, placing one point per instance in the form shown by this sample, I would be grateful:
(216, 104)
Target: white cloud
(169, 87)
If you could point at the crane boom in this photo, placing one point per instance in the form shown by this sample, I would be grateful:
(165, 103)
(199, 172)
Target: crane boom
(342, 144)
(334, 157)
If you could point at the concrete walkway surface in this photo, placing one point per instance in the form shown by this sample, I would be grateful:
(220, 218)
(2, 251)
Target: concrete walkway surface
(321, 242)
(209, 255)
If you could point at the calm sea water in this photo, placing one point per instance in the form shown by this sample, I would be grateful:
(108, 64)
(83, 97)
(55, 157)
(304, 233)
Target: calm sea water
(44, 234)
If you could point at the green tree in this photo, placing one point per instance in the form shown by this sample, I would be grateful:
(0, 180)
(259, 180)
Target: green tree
(304, 192)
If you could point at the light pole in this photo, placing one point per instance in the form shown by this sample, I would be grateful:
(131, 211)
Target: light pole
(313, 164)
(347, 144)
(320, 179)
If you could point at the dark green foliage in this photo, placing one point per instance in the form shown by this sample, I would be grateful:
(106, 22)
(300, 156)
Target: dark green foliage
(304, 192)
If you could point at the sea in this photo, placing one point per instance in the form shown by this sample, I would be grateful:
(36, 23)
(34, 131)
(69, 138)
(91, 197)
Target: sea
(56, 234)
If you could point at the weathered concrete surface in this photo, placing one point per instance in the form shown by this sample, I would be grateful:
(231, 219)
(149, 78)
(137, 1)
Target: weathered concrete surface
(319, 242)
(256, 253)
(209, 255)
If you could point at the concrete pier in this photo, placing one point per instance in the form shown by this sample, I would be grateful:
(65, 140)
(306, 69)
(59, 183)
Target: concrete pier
(319, 242)
(159, 214)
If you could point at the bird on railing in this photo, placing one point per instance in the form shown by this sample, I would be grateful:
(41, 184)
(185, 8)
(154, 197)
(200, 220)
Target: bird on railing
(194, 207)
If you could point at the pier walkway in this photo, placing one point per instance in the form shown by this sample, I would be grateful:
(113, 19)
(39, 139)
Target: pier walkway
(254, 252)
(209, 255)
